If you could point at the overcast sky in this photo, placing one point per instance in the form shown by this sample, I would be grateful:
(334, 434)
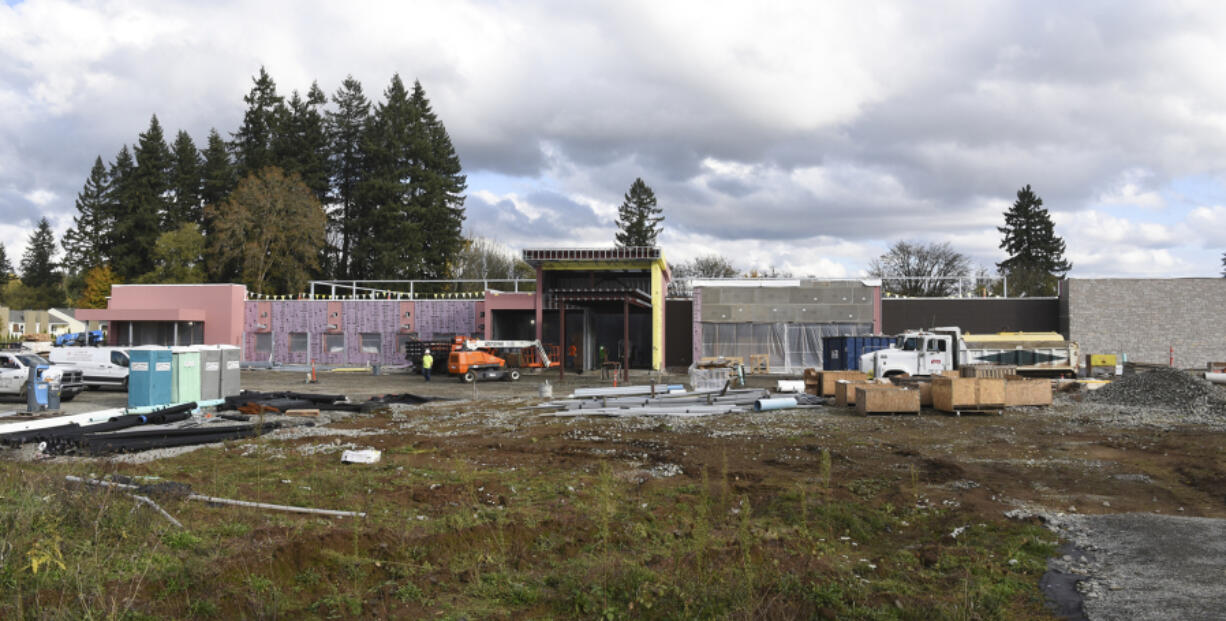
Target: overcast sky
(806, 135)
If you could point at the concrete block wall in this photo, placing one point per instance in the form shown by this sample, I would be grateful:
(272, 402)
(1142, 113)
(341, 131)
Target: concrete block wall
(1144, 318)
(811, 302)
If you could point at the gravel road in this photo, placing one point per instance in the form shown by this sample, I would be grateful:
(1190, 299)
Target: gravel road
(1146, 566)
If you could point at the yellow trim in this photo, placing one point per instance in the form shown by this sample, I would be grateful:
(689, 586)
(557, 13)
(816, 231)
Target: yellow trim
(657, 316)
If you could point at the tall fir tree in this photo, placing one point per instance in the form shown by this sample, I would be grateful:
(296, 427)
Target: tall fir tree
(6, 266)
(438, 187)
(120, 197)
(345, 131)
(38, 266)
(87, 243)
(1036, 255)
(186, 168)
(300, 141)
(252, 144)
(138, 229)
(638, 217)
(387, 233)
(217, 172)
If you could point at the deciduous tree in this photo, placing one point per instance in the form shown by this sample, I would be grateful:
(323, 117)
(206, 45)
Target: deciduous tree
(912, 269)
(1036, 255)
(638, 218)
(98, 281)
(707, 266)
(178, 256)
(271, 228)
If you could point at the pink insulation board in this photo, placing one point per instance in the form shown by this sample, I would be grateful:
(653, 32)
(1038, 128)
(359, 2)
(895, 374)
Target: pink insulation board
(382, 321)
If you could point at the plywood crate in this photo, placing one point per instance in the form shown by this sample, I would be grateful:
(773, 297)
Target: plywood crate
(989, 370)
(831, 378)
(923, 386)
(951, 373)
(845, 392)
(968, 394)
(1026, 391)
(879, 399)
(813, 381)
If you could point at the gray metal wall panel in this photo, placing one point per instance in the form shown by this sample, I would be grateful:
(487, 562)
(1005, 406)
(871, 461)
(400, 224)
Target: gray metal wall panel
(978, 315)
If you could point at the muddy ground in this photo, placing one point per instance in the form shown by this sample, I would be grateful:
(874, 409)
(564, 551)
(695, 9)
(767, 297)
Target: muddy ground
(1072, 458)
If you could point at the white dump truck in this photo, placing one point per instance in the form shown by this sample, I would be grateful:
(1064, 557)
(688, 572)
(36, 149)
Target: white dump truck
(929, 352)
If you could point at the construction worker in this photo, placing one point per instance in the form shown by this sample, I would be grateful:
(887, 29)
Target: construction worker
(427, 362)
(603, 354)
(572, 353)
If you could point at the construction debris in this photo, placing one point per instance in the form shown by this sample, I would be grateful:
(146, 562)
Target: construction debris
(366, 456)
(225, 501)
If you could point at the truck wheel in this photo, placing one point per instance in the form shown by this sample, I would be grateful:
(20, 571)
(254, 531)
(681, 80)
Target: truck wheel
(468, 377)
(124, 385)
(513, 375)
(68, 396)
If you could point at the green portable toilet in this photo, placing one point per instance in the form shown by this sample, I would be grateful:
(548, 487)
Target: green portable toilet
(185, 385)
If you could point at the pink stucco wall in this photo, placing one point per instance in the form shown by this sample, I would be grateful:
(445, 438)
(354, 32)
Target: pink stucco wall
(222, 306)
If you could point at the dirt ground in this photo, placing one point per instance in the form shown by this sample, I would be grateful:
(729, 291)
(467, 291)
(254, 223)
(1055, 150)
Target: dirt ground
(1071, 458)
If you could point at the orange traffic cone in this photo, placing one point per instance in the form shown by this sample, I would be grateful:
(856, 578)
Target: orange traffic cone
(314, 380)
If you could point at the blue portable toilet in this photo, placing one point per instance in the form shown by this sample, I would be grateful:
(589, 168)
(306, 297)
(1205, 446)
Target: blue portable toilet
(842, 353)
(150, 376)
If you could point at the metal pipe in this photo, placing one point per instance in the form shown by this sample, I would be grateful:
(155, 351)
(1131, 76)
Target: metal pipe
(228, 501)
(779, 403)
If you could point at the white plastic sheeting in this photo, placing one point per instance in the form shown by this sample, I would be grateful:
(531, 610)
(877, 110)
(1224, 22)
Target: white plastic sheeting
(792, 347)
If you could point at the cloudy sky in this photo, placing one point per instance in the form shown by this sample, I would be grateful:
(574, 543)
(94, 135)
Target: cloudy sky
(806, 135)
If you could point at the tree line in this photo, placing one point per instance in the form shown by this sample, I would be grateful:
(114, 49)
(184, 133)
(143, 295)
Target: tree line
(308, 186)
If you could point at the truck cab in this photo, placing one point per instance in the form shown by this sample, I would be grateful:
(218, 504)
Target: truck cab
(15, 372)
(915, 352)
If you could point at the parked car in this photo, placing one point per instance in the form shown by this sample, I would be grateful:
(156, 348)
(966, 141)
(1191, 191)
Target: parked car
(15, 373)
(102, 367)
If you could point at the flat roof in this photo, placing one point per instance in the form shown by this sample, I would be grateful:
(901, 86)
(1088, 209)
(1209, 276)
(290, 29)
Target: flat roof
(141, 314)
(629, 253)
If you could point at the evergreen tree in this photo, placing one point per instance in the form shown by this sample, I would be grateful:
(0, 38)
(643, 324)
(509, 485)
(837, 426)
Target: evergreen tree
(638, 218)
(438, 186)
(217, 172)
(387, 233)
(38, 267)
(186, 168)
(6, 267)
(345, 131)
(145, 204)
(300, 141)
(218, 180)
(252, 145)
(1036, 255)
(1224, 265)
(87, 243)
(120, 196)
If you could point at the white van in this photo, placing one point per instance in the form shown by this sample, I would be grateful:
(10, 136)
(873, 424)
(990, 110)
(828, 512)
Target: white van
(101, 366)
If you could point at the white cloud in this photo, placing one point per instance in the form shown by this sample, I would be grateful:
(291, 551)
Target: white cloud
(807, 135)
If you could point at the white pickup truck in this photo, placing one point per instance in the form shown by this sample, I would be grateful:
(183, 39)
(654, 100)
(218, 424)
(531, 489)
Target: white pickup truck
(15, 373)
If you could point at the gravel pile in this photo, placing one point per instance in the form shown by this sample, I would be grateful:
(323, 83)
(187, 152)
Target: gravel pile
(1163, 388)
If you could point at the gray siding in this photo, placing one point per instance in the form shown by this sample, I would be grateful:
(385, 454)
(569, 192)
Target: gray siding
(812, 302)
(1144, 318)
